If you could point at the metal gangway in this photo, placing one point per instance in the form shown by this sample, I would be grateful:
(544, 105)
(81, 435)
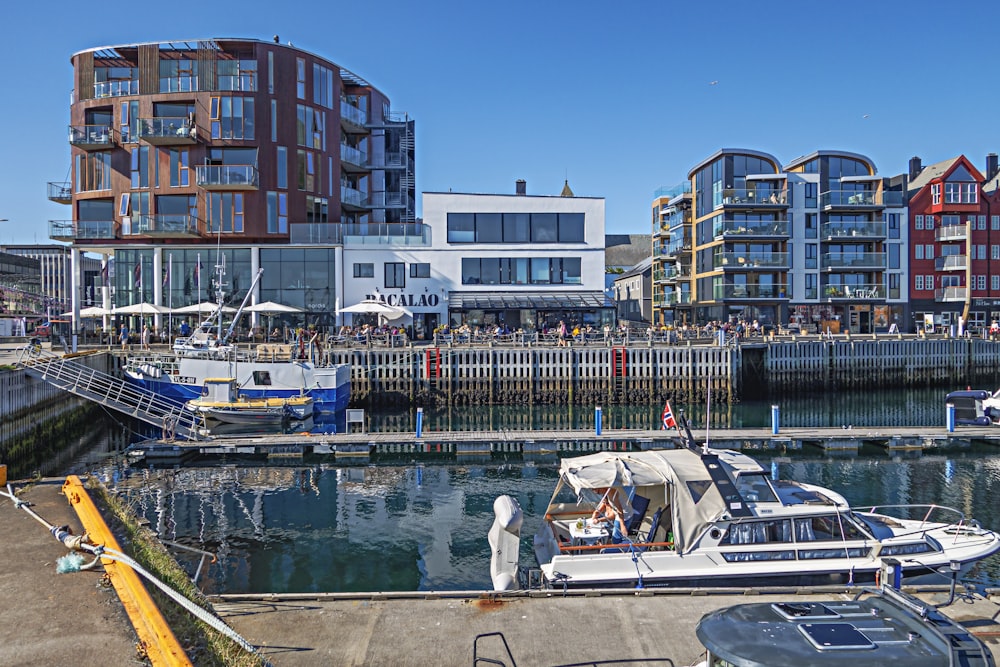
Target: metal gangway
(108, 390)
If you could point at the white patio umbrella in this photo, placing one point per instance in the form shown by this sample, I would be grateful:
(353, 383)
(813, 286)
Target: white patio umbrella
(203, 307)
(142, 309)
(372, 307)
(92, 312)
(272, 308)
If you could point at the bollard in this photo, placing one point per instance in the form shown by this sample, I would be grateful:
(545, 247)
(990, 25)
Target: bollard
(597, 419)
(420, 421)
(775, 417)
(949, 417)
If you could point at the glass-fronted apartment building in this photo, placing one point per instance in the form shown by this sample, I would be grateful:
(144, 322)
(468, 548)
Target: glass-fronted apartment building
(188, 154)
(817, 242)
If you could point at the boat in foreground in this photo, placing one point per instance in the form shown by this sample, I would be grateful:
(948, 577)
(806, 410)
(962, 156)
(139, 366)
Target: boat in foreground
(700, 517)
(975, 407)
(221, 402)
(878, 627)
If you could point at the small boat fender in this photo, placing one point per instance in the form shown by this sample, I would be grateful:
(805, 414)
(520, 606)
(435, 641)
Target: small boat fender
(505, 543)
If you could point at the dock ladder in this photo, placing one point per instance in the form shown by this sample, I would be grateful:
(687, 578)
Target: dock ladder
(115, 393)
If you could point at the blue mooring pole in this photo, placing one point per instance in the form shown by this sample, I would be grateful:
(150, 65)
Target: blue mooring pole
(420, 421)
(775, 418)
(597, 419)
(949, 417)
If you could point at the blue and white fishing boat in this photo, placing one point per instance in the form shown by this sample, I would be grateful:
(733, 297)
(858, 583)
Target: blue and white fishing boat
(270, 371)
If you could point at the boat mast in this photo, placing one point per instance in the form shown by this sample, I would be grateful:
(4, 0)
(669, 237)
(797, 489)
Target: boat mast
(220, 271)
(239, 312)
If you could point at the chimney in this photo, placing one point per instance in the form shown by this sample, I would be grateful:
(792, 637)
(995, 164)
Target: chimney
(915, 167)
(992, 166)
(521, 186)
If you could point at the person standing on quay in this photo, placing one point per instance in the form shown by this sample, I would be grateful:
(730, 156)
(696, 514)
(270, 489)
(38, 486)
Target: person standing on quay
(145, 336)
(123, 336)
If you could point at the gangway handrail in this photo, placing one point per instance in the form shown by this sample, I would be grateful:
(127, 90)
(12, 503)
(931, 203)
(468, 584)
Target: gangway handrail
(92, 384)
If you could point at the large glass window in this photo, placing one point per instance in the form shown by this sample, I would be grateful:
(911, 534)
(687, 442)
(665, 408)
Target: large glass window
(461, 228)
(395, 274)
(516, 228)
(178, 76)
(544, 228)
(277, 213)
(571, 228)
(489, 228)
(179, 173)
(140, 167)
(237, 75)
(521, 271)
(225, 212)
(232, 118)
(93, 172)
(364, 270)
(282, 167)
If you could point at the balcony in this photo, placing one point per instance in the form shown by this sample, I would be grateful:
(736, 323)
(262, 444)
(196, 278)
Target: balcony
(398, 160)
(944, 294)
(745, 292)
(167, 131)
(854, 292)
(352, 198)
(60, 193)
(180, 83)
(74, 230)
(353, 159)
(951, 263)
(951, 233)
(853, 200)
(867, 261)
(91, 137)
(726, 227)
(666, 274)
(316, 233)
(352, 118)
(223, 177)
(386, 233)
(671, 299)
(116, 88)
(390, 200)
(753, 197)
(841, 231)
(752, 261)
(167, 226)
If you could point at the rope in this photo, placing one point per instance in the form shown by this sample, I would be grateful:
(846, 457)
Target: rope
(81, 543)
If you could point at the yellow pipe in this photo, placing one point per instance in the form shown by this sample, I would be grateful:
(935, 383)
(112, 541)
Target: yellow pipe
(155, 636)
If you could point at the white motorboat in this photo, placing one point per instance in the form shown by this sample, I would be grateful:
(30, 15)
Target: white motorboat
(221, 402)
(975, 407)
(705, 517)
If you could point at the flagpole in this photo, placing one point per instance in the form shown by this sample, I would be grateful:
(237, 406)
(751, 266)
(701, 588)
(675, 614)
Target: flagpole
(197, 270)
(170, 295)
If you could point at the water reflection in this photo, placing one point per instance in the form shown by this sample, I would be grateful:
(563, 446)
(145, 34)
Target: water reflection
(324, 528)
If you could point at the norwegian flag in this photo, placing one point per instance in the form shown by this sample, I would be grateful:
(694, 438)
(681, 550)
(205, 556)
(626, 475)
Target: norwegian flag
(668, 417)
(137, 273)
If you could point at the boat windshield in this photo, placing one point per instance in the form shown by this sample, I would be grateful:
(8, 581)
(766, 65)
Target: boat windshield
(755, 488)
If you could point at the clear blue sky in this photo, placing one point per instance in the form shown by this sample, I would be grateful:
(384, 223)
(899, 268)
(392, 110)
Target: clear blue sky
(616, 97)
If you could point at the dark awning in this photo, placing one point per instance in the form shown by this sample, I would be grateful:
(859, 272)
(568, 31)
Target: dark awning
(524, 300)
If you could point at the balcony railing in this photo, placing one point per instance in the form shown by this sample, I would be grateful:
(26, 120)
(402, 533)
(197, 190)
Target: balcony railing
(91, 137)
(227, 176)
(730, 227)
(754, 197)
(116, 88)
(352, 115)
(352, 197)
(179, 84)
(71, 230)
(166, 225)
(166, 131)
(853, 292)
(734, 291)
(855, 199)
(666, 273)
(848, 260)
(950, 294)
(350, 155)
(847, 230)
(951, 263)
(387, 233)
(671, 299)
(951, 233)
(60, 193)
(238, 82)
(755, 260)
(398, 160)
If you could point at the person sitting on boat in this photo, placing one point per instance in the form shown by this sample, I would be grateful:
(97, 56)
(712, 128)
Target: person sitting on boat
(609, 513)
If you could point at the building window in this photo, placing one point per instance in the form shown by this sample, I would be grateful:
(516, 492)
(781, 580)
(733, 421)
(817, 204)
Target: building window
(812, 252)
(238, 75)
(918, 251)
(93, 172)
(395, 274)
(179, 175)
(274, 120)
(918, 222)
(918, 283)
(232, 118)
(420, 270)
(995, 222)
(225, 212)
(516, 228)
(935, 193)
(277, 213)
(893, 255)
(270, 72)
(981, 283)
(521, 271)
(364, 270)
(282, 167)
(810, 194)
(140, 167)
(812, 229)
(995, 252)
(981, 251)
(929, 222)
(307, 177)
(892, 222)
(929, 251)
(929, 282)
(300, 78)
(995, 282)
(322, 86)
(316, 209)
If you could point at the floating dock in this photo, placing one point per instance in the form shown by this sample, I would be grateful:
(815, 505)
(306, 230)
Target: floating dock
(362, 447)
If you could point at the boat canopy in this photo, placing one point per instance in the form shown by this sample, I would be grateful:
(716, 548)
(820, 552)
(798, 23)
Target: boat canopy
(693, 494)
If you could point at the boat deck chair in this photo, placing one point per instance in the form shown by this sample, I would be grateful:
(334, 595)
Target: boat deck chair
(639, 506)
(630, 546)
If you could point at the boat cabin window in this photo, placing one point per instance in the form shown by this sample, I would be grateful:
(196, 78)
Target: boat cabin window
(759, 532)
(822, 528)
(754, 488)
(262, 378)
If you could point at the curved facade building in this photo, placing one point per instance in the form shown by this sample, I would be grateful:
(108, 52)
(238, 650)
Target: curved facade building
(187, 154)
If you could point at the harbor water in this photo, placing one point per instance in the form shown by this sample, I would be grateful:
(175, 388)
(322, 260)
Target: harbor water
(315, 525)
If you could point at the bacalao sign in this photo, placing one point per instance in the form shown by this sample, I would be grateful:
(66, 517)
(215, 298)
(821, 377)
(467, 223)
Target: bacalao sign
(427, 300)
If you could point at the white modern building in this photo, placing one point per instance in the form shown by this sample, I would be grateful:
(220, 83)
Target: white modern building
(515, 261)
